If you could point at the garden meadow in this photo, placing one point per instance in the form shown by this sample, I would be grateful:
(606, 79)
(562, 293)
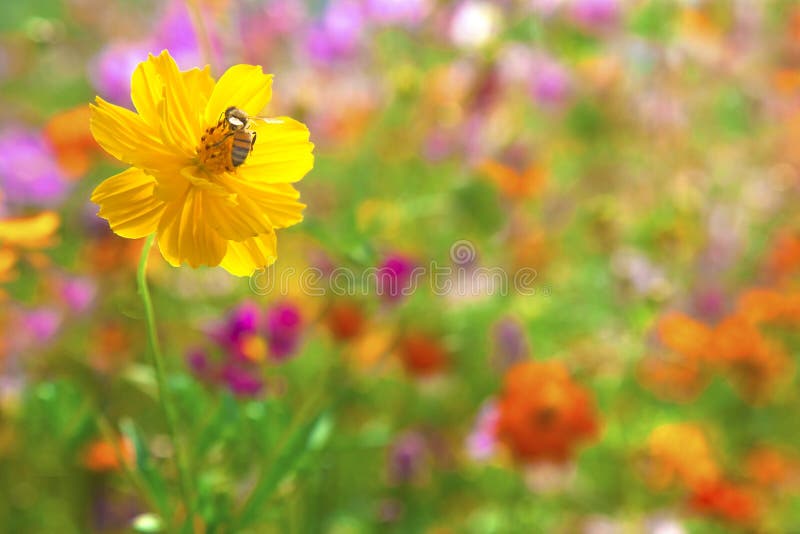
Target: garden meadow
(400, 266)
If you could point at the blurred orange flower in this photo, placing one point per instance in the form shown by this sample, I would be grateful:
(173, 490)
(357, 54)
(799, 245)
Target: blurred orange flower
(684, 335)
(69, 136)
(102, 455)
(755, 364)
(673, 377)
(514, 184)
(769, 306)
(111, 253)
(784, 256)
(725, 501)
(422, 355)
(543, 414)
(345, 320)
(680, 453)
(769, 468)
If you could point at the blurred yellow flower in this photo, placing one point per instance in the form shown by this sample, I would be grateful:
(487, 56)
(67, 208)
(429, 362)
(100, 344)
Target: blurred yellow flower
(29, 233)
(204, 211)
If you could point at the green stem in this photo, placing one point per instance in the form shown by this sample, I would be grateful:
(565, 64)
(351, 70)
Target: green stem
(163, 394)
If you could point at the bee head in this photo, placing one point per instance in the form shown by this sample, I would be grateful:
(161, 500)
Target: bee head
(236, 118)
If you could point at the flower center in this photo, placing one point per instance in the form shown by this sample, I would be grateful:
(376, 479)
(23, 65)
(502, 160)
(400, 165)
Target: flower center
(215, 149)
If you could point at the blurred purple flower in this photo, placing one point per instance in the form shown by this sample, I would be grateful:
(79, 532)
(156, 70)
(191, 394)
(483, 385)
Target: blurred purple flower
(110, 72)
(29, 175)
(338, 33)
(394, 277)
(482, 441)
(199, 363)
(596, 14)
(407, 457)
(401, 12)
(284, 326)
(709, 303)
(510, 345)
(551, 83)
(176, 34)
(78, 293)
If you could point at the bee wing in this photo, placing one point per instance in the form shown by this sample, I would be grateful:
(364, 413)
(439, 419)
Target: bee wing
(267, 120)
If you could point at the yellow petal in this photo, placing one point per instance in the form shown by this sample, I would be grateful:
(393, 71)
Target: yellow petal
(236, 217)
(149, 87)
(184, 235)
(128, 203)
(182, 121)
(277, 201)
(243, 86)
(243, 258)
(29, 232)
(282, 152)
(127, 137)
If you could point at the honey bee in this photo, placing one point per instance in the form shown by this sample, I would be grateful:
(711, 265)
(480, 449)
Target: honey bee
(238, 124)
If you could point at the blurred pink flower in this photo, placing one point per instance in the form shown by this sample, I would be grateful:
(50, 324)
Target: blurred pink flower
(78, 293)
(401, 12)
(41, 325)
(29, 174)
(551, 82)
(482, 441)
(596, 14)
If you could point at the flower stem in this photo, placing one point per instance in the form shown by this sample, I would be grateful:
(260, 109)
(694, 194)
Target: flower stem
(163, 394)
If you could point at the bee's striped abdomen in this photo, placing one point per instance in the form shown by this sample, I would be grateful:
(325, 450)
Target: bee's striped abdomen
(242, 144)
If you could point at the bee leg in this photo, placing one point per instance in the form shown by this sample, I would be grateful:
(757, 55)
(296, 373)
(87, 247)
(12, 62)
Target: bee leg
(227, 135)
(253, 142)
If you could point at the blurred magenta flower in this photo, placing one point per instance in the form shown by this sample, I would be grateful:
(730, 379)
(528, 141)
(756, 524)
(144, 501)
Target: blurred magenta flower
(596, 14)
(242, 381)
(29, 174)
(394, 277)
(199, 362)
(284, 325)
(78, 293)
(338, 33)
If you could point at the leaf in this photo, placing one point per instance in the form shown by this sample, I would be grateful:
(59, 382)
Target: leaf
(227, 414)
(308, 437)
(154, 482)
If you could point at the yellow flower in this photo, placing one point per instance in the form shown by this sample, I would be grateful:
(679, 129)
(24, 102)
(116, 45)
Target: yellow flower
(181, 184)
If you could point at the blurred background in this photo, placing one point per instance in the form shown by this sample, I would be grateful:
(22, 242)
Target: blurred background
(609, 187)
